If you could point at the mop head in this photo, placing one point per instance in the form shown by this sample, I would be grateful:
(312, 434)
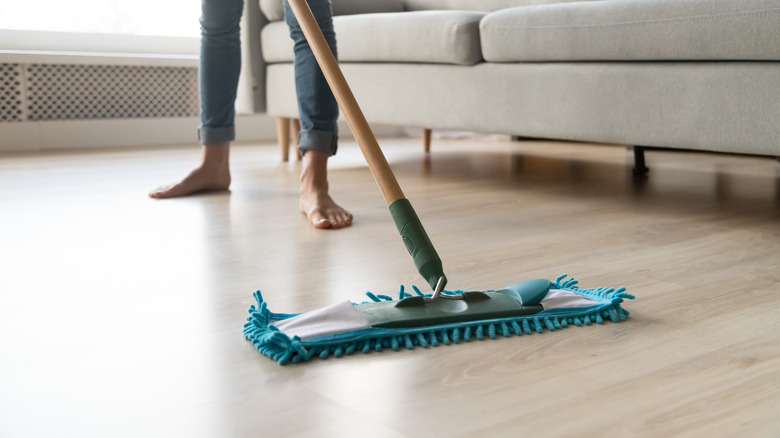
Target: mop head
(343, 329)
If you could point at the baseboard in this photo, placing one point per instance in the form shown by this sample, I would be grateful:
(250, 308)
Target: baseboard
(82, 134)
(85, 134)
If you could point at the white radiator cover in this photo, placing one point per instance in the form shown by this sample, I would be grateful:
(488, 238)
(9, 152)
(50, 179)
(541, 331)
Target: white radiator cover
(76, 100)
(47, 92)
(11, 101)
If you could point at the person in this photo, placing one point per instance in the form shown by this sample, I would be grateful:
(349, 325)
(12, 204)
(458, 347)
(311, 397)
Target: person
(218, 69)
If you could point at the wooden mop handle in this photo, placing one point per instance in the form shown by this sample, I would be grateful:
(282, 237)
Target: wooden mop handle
(376, 160)
(409, 226)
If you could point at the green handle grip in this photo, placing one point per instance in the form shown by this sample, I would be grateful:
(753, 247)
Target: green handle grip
(417, 242)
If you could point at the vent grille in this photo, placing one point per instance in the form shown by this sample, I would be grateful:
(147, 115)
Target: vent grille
(11, 108)
(77, 92)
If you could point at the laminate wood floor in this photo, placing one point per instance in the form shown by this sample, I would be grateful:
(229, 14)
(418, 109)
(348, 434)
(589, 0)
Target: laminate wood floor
(122, 316)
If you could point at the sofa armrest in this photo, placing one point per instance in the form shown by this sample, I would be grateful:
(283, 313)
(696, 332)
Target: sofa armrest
(250, 97)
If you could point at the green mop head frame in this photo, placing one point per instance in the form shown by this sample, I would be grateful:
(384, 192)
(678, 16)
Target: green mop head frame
(261, 326)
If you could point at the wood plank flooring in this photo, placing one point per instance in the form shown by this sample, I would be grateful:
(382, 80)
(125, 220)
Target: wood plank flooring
(122, 316)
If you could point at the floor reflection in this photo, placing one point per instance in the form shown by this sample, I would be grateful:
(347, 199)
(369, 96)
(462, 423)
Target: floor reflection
(675, 181)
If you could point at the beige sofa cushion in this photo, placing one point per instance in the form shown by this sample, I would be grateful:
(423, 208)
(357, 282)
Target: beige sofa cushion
(440, 37)
(274, 9)
(637, 30)
(474, 5)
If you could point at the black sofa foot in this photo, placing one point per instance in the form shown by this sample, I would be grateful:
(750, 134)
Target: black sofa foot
(524, 138)
(640, 168)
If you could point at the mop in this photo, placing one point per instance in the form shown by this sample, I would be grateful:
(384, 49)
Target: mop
(441, 317)
(420, 321)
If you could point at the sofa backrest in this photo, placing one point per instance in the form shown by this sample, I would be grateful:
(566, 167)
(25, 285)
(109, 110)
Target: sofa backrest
(474, 5)
(274, 9)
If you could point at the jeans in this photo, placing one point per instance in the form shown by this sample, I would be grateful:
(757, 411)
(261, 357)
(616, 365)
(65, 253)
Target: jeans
(220, 64)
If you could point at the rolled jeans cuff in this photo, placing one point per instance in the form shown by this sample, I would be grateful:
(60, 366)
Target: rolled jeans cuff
(207, 135)
(320, 141)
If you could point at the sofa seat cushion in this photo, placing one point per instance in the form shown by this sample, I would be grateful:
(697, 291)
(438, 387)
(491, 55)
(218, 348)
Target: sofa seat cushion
(274, 9)
(440, 37)
(637, 30)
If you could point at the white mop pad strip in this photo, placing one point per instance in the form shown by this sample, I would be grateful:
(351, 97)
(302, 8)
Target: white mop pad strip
(338, 318)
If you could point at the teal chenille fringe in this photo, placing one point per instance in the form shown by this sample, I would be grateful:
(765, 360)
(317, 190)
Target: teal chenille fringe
(273, 343)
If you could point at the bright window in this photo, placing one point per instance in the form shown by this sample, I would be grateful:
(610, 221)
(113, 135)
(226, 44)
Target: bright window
(178, 18)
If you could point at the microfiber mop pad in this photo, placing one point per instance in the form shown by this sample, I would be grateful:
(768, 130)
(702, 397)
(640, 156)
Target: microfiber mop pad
(344, 328)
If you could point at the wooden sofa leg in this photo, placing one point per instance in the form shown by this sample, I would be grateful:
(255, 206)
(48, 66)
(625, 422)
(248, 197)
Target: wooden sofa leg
(640, 168)
(427, 140)
(296, 129)
(283, 136)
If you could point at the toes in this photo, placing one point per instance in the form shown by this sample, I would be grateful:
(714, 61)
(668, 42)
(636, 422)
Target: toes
(341, 220)
(346, 219)
(323, 213)
(164, 193)
(170, 191)
(330, 220)
(323, 224)
(159, 192)
(319, 221)
(197, 181)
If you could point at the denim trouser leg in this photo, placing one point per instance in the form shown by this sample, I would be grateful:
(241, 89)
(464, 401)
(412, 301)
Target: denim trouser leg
(218, 69)
(317, 107)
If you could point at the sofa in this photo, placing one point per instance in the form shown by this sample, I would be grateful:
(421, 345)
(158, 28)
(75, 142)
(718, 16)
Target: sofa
(675, 74)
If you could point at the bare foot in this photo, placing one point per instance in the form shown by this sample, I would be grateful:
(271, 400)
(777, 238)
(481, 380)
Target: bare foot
(315, 201)
(212, 175)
